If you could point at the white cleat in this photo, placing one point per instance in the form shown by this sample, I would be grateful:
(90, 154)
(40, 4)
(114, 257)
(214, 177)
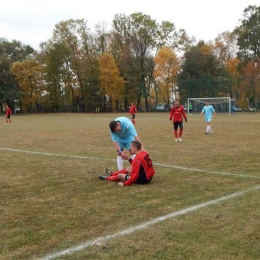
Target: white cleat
(180, 140)
(176, 139)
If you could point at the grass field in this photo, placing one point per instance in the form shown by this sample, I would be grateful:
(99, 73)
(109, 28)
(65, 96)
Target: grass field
(203, 203)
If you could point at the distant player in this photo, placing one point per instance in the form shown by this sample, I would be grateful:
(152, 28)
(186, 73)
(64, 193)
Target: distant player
(177, 114)
(208, 110)
(190, 108)
(122, 133)
(141, 172)
(8, 114)
(133, 111)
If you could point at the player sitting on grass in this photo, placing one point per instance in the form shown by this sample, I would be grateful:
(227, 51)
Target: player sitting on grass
(141, 171)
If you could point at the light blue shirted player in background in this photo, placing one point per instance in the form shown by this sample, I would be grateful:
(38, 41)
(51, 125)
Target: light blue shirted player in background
(123, 133)
(208, 110)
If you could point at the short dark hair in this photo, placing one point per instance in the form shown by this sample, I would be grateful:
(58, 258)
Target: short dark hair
(137, 144)
(113, 125)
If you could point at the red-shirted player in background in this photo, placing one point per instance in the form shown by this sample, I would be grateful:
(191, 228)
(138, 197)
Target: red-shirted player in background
(8, 114)
(132, 111)
(177, 114)
(141, 172)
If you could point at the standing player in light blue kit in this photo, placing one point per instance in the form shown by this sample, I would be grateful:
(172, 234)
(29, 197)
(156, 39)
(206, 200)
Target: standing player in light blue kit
(208, 111)
(123, 133)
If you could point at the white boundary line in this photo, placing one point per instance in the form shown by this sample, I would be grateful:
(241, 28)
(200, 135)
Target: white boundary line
(99, 240)
(158, 164)
(130, 230)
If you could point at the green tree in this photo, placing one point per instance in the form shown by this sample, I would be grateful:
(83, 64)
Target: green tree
(248, 35)
(202, 74)
(248, 41)
(134, 39)
(10, 52)
(80, 61)
(60, 81)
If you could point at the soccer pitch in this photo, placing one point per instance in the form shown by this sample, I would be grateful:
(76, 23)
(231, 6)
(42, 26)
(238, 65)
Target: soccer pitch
(203, 203)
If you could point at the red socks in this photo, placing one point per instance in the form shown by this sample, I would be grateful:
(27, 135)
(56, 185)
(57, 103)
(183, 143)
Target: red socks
(176, 133)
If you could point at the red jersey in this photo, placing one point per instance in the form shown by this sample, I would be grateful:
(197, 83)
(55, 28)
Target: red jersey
(8, 112)
(132, 109)
(141, 163)
(177, 114)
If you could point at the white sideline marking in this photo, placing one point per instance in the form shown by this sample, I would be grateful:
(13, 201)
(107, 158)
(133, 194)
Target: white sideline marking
(105, 159)
(204, 171)
(52, 154)
(130, 230)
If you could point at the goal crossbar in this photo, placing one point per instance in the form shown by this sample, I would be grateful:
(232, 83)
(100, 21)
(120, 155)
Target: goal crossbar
(219, 103)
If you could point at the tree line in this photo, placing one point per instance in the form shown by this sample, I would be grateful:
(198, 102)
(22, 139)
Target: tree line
(138, 60)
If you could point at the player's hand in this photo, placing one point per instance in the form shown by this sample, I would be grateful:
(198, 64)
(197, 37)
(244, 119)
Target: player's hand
(121, 184)
(124, 156)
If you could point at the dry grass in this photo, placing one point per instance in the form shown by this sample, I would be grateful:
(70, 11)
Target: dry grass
(51, 200)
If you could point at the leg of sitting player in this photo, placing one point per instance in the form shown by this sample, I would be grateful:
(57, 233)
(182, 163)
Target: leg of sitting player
(118, 176)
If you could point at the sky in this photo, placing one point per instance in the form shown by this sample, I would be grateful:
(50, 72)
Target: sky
(32, 21)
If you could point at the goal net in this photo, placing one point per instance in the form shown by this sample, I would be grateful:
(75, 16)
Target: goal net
(220, 104)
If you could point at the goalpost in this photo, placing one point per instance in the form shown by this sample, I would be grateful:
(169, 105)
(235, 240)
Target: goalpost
(220, 104)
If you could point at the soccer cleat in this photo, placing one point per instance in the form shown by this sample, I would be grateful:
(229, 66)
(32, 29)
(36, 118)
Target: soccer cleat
(108, 172)
(102, 177)
(206, 133)
(176, 139)
(180, 140)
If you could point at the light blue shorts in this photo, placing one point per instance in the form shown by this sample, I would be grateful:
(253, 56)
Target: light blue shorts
(208, 119)
(125, 144)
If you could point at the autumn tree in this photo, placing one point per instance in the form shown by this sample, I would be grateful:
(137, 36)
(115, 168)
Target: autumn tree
(28, 75)
(224, 46)
(165, 74)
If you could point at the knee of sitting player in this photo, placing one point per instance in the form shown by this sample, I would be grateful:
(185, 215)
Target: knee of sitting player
(121, 176)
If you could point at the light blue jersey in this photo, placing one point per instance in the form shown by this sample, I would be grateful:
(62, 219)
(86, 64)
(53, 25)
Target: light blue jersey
(126, 135)
(208, 112)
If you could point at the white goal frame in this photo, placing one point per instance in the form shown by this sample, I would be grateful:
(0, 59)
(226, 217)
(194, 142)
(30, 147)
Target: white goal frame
(212, 101)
